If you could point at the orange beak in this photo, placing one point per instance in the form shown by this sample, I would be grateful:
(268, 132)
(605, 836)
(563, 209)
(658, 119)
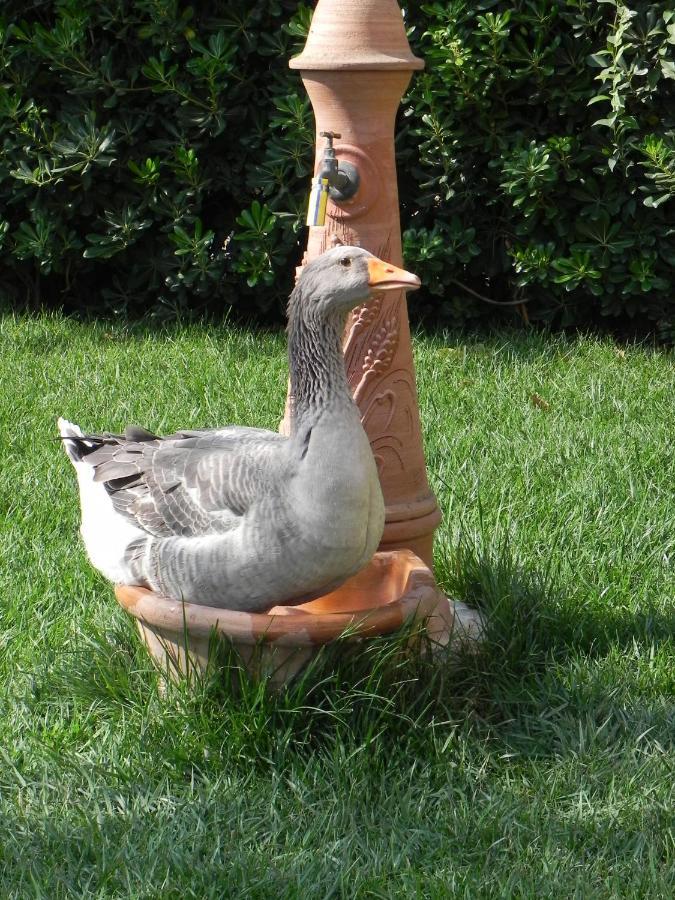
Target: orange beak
(385, 277)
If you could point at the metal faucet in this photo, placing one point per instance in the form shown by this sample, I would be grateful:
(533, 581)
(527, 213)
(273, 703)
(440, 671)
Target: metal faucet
(338, 181)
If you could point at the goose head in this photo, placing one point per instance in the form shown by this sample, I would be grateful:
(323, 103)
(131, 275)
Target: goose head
(345, 277)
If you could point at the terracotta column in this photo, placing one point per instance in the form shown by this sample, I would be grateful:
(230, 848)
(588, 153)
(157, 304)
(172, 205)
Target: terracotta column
(356, 65)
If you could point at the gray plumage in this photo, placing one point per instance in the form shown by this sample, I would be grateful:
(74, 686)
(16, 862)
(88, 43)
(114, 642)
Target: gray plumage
(245, 518)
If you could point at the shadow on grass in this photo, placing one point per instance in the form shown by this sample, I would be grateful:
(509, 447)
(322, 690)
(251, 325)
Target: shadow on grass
(528, 343)
(51, 331)
(537, 344)
(549, 672)
(534, 687)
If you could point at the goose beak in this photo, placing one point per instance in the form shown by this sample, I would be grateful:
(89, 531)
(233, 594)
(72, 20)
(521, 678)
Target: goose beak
(382, 276)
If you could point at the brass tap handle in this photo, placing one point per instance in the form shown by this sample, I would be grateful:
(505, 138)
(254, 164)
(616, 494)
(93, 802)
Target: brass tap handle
(330, 137)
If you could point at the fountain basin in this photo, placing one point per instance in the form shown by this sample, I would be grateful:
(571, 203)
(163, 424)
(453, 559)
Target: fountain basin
(395, 588)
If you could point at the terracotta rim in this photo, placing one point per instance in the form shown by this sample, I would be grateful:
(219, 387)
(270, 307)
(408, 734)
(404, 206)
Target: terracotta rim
(420, 598)
(367, 62)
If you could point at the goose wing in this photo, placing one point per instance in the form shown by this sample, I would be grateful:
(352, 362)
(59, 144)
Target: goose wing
(189, 483)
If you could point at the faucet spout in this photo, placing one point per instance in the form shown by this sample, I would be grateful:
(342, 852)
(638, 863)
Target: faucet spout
(338, 181)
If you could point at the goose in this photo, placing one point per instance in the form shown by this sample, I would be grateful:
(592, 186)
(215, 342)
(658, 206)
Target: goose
(244, 518)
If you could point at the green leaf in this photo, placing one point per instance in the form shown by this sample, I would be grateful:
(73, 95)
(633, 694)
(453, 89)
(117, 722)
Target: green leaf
(598, 60)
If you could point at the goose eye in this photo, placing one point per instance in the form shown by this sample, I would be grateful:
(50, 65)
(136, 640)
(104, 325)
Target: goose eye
(346, 262)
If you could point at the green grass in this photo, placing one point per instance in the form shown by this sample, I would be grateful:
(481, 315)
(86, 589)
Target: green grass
(542, 767)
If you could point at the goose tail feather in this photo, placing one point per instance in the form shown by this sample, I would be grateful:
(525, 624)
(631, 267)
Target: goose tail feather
(75, 443)
(106, 534)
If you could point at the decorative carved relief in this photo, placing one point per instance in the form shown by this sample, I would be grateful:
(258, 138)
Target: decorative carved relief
(380, 354)
(363, 316)
(389, 416)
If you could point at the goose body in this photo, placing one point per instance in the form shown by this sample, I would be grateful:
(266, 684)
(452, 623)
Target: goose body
(246, 518)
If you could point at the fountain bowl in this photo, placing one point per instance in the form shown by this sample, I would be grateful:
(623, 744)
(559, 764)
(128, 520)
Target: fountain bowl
(395, 588)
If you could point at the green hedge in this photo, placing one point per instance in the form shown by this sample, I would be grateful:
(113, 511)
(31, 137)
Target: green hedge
(546, 157)
(138, 135)
(156, 156)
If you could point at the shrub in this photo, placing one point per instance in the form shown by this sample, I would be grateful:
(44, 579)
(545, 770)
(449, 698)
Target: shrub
(544, 167)
(157, 155)
(142, 140)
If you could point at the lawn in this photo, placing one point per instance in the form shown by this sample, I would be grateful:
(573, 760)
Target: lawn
(543, 767)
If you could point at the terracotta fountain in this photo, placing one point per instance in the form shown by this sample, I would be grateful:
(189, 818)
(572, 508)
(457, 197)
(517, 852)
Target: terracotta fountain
(356, 65)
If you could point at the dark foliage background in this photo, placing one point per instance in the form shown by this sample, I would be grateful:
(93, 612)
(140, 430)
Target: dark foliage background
(156, 157)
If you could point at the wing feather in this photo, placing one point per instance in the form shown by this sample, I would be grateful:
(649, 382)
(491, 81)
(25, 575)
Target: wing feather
(188, 483)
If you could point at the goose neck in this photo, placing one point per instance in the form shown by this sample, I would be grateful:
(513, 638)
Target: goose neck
(318, 379)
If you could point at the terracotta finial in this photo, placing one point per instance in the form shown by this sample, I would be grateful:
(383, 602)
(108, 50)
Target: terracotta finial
(357, 34)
